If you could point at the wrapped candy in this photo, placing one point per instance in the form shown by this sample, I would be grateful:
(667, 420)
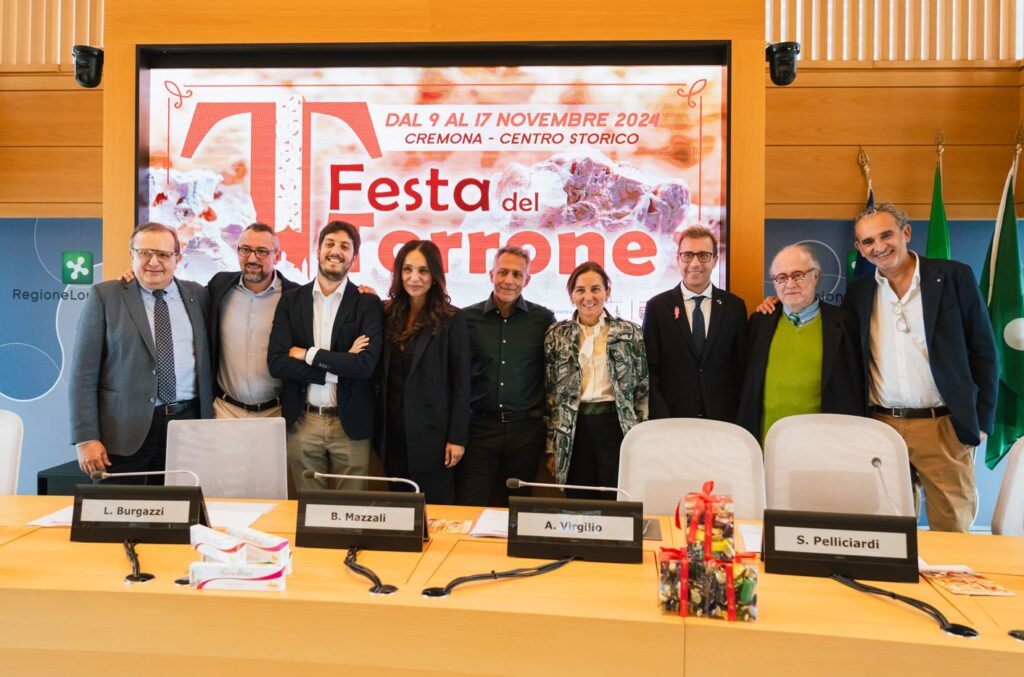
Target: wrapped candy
(709, 524)
(725, 590)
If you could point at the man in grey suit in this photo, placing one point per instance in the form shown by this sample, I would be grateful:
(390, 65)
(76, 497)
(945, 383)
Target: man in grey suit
(141, 359)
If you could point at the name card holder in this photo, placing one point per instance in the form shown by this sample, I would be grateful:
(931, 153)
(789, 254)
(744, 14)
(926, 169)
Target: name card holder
(375, 520)
(556, 528)
(869, 547)
(110, 513)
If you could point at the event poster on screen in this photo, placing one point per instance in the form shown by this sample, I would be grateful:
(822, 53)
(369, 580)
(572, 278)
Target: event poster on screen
(575, 163)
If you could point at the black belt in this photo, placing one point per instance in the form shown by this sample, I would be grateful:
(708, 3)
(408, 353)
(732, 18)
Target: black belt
(509, 416)
(323, 411)
(253, 408)
(596, 408)
(906, 412)
(175, 408)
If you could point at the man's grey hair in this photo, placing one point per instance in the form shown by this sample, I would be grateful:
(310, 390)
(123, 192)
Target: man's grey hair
(515, 250)
(886, 207)
(801, 247)
(264, 228)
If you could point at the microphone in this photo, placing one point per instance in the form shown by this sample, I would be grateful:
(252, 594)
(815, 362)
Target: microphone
(314, 475)
(99, 475)
(515, 483)
(876, 462)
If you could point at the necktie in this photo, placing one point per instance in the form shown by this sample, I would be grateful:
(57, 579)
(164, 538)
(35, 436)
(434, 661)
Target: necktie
(794, 318)
(166, 382)
(697, 337)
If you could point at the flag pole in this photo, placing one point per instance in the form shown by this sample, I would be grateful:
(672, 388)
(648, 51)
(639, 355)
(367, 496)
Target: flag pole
(865, 166)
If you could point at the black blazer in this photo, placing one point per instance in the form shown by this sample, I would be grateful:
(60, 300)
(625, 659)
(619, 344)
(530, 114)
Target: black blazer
(842, 366)
(359, 314)
(961, 347)
(436, 395)
(680, 384)
(218, 287)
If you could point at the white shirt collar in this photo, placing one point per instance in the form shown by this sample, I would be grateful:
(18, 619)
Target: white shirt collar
(317, 292)
(915, 281)
(687, 294)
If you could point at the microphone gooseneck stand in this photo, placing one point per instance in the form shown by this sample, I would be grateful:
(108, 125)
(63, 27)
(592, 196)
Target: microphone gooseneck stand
(938, 616)
(135, 576)
(379, 588)
(495, 575)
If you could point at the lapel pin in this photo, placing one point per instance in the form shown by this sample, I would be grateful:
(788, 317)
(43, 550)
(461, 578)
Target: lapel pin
(718, 301)
(676, 312)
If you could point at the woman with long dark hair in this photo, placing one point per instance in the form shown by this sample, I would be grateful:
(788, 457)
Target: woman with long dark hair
(597, 385)
(423, 399)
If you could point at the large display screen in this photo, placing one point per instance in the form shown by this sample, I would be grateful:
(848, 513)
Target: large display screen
(576, 162)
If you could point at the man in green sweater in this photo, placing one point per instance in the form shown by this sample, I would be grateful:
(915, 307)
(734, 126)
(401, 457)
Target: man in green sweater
(804, 357)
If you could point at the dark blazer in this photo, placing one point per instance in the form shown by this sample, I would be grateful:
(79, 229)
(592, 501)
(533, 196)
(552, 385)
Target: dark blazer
(436, 394)
(112, 388)
(961, 347)
(218, 287)
(842, 366)
(358, 315)
(680, 384)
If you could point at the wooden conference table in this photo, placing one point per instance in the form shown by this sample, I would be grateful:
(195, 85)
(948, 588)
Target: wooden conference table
(65, 610)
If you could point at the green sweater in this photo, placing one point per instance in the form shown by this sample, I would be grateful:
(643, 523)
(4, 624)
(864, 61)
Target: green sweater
(792, 380)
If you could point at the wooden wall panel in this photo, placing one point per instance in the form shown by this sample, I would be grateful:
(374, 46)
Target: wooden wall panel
(51, 175)
(893, 115)
(51, 118)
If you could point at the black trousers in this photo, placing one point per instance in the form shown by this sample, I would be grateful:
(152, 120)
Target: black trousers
(438, 486)
(496, 452)
(152, 455)
(595, 455)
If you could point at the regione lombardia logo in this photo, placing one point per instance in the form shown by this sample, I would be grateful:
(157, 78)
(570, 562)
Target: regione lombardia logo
(76, 268)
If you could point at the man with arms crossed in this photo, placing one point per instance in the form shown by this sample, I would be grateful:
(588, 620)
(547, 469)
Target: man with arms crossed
(694, 334)
(804, 358)
(141, 359)
(324, 345)
(506, 429)
(930, 359)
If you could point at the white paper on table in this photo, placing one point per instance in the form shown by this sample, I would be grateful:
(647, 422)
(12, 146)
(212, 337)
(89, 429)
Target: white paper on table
(60, 518)
(491, 524)
(751, 534)
(238, 515)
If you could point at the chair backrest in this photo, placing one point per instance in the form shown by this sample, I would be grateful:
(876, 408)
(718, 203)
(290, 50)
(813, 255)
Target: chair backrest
(663, 460)
(837, 463)
(1008, 517)
(234, 458)
(12, 432)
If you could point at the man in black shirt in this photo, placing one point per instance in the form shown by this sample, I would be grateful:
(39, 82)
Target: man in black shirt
(506, 430)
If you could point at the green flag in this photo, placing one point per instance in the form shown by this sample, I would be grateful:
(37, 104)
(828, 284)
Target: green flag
(1002, 287)
(938, 226)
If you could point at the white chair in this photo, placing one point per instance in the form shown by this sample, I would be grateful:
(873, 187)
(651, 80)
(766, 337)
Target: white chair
(234, 458)
(837, 463)
(661, 461)
(12, 432)
(1008, 517)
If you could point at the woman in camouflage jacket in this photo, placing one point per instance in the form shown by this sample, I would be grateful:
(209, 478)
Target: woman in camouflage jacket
(597, 385)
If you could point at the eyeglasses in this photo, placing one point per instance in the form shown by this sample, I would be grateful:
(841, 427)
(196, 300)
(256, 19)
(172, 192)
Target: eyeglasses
(260, 252)
(797, 276)
(703, 257)
(902, 323)
(147, 254)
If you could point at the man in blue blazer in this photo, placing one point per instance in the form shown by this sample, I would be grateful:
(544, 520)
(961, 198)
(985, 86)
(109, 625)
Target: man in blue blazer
(930, 361)
(324, 345)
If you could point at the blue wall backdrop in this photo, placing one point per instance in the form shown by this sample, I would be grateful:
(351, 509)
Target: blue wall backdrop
(48, 267)
(832, 239)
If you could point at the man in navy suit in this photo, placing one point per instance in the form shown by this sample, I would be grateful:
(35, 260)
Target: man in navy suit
(324, 345)
(242, 306)
(694, 334)
(930, 361)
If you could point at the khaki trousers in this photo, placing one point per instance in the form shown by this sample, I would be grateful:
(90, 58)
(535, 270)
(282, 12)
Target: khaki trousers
(943, 467)
(319, 443)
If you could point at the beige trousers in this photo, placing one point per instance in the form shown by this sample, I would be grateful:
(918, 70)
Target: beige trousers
(319, 443)
(942, 466)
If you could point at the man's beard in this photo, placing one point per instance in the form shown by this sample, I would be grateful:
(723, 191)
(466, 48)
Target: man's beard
(333, 276)
(255, 278)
